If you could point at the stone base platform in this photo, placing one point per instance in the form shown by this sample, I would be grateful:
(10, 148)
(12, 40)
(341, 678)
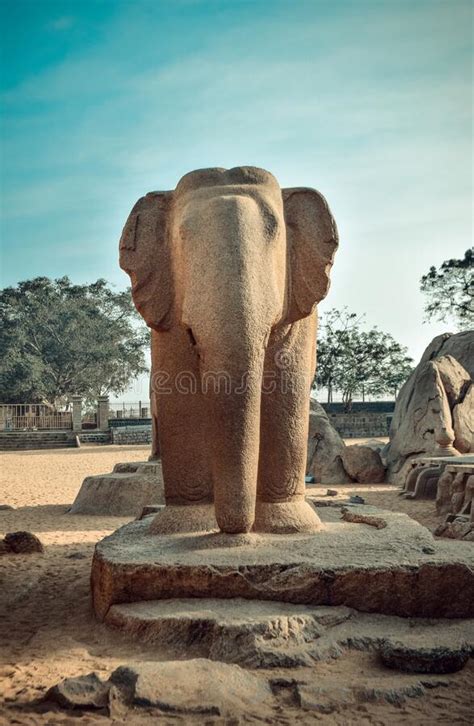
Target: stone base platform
(122, 493)
(257, 634)
(398, 569)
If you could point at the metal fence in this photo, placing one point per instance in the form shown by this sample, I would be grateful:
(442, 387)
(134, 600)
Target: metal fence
(141, 409)
(33, 417)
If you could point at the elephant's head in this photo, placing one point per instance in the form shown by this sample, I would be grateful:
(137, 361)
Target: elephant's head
(230, 256)
(221, 225)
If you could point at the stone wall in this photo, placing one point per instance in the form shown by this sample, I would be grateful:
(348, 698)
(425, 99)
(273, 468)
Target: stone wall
(128, 422)
(94, 437)
(361, 425)
(131, 435)
(354, 425)
(360, 407)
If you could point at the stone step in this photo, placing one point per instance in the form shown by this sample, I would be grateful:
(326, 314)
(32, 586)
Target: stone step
(34, 437)
(248, 632)
(262, 634)
(49, 447)
(29, 440)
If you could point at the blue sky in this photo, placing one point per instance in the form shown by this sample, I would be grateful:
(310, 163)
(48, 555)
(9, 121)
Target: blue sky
(369, 101)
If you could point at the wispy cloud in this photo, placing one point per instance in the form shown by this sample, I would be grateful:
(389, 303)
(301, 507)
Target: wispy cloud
(62, 23)
(371, 104)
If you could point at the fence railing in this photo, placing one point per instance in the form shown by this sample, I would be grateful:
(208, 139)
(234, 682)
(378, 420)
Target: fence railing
(130, 410)
(33, 417)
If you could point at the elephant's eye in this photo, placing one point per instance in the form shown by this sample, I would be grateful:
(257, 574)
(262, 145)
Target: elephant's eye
(270, 223)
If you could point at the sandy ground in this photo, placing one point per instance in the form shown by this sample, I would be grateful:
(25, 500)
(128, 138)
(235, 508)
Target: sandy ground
(48, 631)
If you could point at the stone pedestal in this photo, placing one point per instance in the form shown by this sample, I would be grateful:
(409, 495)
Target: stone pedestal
(398, 569)
(122, 493)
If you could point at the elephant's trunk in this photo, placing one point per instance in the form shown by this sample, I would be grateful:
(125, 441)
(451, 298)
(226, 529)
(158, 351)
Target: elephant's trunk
(234, 436)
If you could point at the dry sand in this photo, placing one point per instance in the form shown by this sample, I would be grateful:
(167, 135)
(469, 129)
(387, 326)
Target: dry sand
(48, 632)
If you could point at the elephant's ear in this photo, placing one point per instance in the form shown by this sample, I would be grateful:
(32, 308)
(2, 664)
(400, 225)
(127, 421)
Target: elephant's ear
(312, 240)
(144, 254)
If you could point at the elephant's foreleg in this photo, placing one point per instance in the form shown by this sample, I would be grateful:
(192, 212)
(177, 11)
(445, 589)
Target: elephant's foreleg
(184, 455)
(289, 368)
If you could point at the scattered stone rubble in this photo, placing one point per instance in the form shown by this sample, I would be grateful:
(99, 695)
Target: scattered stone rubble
(224, 639)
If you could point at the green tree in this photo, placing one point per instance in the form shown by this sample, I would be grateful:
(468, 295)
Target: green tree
(353, 361)
(450, 291)
(58, 339)
(335, 331)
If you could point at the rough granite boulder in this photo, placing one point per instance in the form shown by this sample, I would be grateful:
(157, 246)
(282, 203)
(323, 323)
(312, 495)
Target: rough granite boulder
(21, 543)
(435, 398)
(363, 464)
(325, 449)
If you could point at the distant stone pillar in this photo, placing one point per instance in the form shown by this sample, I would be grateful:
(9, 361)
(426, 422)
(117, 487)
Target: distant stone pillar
(77, 413)
(103, 413)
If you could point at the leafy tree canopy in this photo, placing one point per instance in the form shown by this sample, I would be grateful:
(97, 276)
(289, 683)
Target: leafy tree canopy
(352, 360)
(450, 291)
(58, 339)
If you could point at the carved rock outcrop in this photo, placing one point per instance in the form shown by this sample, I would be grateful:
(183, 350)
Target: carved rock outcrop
(435, 401)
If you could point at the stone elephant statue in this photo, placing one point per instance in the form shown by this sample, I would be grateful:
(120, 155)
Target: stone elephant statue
(227, 270)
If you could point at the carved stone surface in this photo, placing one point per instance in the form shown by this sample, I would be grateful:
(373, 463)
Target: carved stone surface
(443, 496)
(227, 270)
(455, 498)
(434, 403)
(399, 569)
(422, 483)
(463, 423)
